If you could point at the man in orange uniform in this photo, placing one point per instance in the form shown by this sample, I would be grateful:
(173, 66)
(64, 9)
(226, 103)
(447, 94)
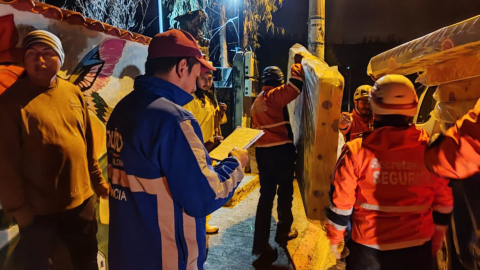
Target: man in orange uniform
(399, 210)
(457, 153)
(361, 119)
(276, 155)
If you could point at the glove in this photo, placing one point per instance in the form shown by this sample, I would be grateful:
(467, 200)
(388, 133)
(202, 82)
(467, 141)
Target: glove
(437, 238)
(337, 251)
(345, 121)
(297, 72)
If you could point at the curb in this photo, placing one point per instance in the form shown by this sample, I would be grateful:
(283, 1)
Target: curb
(314, 250)
(248, 184)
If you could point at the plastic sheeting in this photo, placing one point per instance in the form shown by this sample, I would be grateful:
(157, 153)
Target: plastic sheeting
(459, 91)
(446, 55)
(447, 113)
(457, 68)
(314, 116)
(454, 100)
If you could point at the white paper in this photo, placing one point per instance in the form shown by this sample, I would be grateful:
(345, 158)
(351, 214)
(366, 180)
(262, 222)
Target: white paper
(241, 138)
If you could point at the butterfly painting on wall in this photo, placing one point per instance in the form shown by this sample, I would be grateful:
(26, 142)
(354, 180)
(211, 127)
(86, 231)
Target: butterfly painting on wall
(93, 73)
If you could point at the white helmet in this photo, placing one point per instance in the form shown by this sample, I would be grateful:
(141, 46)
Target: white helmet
(394, 94)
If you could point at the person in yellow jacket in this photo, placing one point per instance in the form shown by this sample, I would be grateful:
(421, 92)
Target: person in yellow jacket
(210, 114)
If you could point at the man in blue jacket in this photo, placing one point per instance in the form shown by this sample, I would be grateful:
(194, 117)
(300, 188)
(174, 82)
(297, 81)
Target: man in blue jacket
(163, 184)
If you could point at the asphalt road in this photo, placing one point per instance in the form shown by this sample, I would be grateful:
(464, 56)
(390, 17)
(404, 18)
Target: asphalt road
(231, 248)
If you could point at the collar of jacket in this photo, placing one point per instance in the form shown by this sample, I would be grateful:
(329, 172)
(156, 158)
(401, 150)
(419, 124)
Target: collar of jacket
(163, 88)
(362, 118)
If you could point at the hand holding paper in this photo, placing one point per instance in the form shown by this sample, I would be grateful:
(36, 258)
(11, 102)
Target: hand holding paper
(241, 155)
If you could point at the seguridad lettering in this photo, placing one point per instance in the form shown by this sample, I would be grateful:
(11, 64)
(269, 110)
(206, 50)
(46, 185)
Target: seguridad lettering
(394, 178)
(394, 165)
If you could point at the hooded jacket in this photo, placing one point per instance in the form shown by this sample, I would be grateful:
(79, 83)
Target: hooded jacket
(163, 184)
(382, 183)
(457, 154)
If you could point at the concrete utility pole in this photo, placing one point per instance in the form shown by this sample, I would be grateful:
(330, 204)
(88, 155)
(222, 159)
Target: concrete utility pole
(316, 28)
(223, 37)
(160, 16)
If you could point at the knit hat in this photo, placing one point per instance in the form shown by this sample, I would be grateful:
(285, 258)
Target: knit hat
(44, 37)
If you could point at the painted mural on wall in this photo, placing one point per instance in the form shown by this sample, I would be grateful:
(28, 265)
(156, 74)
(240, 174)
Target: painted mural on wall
(101, 60)
(92, 75)
(104, 66)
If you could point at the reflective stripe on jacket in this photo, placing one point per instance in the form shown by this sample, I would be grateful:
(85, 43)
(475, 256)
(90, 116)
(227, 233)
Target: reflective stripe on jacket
(269, 110)
(163, 183)
(381, 181)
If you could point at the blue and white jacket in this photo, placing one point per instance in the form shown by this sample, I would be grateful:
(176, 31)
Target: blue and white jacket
(163, 184)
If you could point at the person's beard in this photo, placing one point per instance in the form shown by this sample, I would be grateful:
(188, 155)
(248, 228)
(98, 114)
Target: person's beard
(362, 114)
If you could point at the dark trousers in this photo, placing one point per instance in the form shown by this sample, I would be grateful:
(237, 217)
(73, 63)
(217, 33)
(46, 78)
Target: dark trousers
(77, 228)
(276, 166)
(414, 258)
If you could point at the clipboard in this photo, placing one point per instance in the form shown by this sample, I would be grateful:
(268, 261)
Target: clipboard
(241, 138)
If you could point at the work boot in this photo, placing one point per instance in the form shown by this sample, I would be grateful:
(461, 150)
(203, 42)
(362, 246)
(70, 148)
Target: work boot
(269, 256)
(211, 229)
(283, 238)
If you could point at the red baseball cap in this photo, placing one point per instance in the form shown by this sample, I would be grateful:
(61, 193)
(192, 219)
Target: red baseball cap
(176, 43)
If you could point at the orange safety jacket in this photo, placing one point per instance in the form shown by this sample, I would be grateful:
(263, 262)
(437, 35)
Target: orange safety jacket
(269, 110)
(9, 74)
(359, 125)
(382, 183)
(457, 154)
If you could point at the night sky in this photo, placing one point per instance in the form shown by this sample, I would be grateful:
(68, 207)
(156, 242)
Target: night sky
(350, 21)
